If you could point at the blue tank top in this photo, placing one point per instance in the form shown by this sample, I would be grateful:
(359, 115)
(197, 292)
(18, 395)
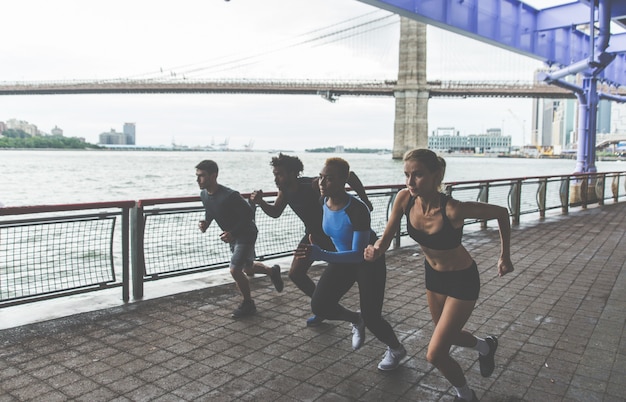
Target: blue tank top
(447, 238)
(340, 225)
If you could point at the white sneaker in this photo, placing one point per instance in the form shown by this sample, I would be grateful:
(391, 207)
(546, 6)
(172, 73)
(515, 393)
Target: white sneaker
(392, 358)
(358, 334)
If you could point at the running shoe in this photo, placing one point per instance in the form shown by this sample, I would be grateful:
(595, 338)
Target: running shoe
(314, 321)
(459, 399)
(277, 280)
(487, 362)
(358, 334)
(246, 308)
(392, 358)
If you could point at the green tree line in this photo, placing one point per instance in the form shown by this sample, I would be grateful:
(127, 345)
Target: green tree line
(19, 139)
(349, 150)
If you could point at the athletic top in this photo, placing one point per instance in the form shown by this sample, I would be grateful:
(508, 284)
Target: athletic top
(447, 238)
(349, 229)
(231, 212)
(305, 203)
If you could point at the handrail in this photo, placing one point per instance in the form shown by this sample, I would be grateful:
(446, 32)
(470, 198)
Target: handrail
(35, 209)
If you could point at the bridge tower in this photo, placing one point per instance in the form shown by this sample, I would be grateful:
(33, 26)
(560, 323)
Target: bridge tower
(411, 94)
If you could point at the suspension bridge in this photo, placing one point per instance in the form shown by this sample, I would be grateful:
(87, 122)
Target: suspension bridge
(329, 89)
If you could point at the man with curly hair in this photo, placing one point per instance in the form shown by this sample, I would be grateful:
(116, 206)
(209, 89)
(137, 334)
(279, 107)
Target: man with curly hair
(302, 194)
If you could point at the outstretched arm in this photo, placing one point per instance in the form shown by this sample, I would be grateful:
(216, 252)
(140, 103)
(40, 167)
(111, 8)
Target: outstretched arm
(273, 210)
(355, 183)
(360, 240)
(479, 210)
(373, 252)
(314, 252)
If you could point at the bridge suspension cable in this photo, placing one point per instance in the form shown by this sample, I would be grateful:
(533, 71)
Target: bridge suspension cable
(340, 31)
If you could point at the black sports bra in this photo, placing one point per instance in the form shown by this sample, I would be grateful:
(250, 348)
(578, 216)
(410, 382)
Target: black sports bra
(447, 238)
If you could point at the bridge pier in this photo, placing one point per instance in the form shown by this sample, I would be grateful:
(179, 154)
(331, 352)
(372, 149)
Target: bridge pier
(411, 92)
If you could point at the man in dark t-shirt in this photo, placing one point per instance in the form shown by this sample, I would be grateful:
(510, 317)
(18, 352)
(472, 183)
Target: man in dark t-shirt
(235, 218)
(302, 194)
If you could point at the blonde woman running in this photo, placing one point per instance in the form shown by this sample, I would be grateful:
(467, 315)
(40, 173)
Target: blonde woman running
(435, 221)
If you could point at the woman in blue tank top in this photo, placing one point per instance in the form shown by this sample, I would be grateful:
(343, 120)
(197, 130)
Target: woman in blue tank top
(435, 221)
(346, 220)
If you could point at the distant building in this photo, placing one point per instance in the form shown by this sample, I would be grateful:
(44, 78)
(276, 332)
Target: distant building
(56, 131)
(127, 137)
(618, 118)
(445, 131)
(112, 138)
(129, 132)
(3, 127)
(448, 140)
(555, 121)
(30, 129)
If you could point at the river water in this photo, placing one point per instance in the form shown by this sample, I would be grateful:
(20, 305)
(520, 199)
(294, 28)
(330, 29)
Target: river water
(44, 177)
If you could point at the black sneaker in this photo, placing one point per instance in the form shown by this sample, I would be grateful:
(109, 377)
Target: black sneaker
(246, 308)
(277, 280)
(487, 362)
(459, 399)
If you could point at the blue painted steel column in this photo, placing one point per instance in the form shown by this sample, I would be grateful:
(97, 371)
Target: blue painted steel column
(587, 118)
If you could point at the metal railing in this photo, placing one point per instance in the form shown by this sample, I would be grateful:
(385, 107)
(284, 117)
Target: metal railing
(57, 250)
(54, 251)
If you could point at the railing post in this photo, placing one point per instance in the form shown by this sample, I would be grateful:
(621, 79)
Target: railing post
(615, 187)
(515, 200)
(137, 237)
(600, 188)
(125, 255)
(398, 236)
(584, 191)
(483, 196)
(541, 197)
(564, 194)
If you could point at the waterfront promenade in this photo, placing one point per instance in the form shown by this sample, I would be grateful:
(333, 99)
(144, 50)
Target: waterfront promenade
(560, 319)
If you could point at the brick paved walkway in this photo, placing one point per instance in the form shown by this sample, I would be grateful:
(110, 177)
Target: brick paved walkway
(559, 317)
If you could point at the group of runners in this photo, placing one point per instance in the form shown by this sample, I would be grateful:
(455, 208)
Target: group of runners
(338, 231)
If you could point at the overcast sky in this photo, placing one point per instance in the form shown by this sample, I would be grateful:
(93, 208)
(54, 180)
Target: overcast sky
(77, 39)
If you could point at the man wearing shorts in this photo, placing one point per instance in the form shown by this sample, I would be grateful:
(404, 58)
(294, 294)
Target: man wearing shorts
(235, 218)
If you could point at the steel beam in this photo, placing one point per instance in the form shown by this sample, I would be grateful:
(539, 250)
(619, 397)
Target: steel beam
(552, 35)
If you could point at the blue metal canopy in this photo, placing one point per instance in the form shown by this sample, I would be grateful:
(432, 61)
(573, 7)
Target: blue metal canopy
(575, 37)
(557, 35)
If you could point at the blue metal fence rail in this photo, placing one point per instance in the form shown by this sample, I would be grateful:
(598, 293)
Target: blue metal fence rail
(54, 251)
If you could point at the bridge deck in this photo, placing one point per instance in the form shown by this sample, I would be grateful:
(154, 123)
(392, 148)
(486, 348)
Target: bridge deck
(435, 89)
(559, 317)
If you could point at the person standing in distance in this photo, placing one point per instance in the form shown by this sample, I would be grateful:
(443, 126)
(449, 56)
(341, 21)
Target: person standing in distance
(302, 194)
(435, 221)
(235, 218)
(346, 221)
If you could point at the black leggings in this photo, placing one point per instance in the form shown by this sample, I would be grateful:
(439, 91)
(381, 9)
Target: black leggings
(335, 282)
